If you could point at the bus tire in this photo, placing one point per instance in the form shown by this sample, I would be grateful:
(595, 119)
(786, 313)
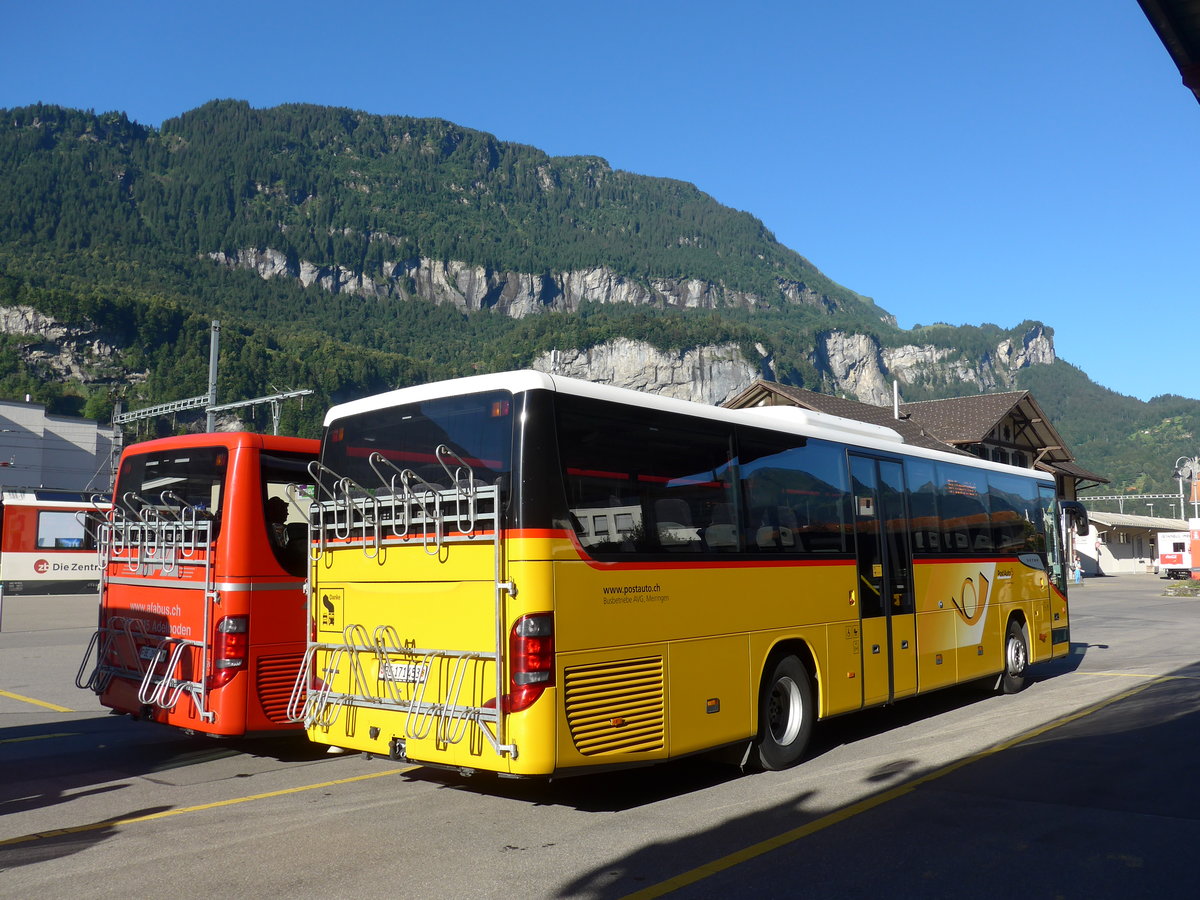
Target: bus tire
(1016, 659)
(785, 715)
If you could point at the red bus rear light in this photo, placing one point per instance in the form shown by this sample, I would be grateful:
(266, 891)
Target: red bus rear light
(531, 660)
(229, 649)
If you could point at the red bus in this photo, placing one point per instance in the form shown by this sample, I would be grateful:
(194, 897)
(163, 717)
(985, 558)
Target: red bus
(48, 541)
(202, 607)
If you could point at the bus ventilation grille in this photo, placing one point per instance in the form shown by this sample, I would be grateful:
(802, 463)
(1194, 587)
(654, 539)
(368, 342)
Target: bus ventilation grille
(276, 677)
(616, 707)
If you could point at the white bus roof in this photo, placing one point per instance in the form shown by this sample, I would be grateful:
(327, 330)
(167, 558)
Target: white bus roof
(779, 418)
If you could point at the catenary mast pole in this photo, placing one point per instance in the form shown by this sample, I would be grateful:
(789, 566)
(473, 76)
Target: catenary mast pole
(214, 343)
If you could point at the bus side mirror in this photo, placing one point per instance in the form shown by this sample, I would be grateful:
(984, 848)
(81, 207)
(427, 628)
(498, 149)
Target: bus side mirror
(1077, 514)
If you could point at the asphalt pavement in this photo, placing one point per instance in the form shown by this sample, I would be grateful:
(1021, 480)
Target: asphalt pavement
(1103, 802)
(1082, 786)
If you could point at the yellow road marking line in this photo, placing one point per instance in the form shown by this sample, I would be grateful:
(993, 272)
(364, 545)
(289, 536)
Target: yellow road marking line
(53, 706)
(109, 823)
(847, 812)
(38, 737)
(1144, 675)
(1121, 674)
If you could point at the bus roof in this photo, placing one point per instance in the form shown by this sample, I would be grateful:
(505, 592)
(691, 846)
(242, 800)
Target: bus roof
(228, 439)
(793, 420)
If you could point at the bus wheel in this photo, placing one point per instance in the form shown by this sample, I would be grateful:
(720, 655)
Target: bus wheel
(785, 715)
(1016, 659)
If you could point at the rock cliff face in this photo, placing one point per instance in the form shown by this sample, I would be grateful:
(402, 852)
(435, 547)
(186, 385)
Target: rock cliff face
(850, 364)
(514, 293)
(855, 364)
(704, 374)
(63, 352)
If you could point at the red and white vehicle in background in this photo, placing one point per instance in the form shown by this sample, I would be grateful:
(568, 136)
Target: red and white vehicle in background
(1174, 554)
(48, 541)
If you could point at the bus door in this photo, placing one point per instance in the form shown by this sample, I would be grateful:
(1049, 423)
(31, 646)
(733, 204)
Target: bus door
(885, 592)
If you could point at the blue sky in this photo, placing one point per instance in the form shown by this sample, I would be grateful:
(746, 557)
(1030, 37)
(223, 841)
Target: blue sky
(957, 162)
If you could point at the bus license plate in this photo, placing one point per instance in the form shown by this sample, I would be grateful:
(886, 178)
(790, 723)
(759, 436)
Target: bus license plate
(408, 673)
(149, 651)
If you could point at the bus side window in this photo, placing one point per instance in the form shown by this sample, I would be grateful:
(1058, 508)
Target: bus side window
(722, 534)
(796, 493)
(650, 481)
(1016, 513)
(286, 531)
(962, 500)
(285, 509)
(923, 507)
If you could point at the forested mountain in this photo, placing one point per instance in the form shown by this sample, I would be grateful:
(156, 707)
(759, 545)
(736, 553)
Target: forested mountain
(1133, 443)
(352, 253)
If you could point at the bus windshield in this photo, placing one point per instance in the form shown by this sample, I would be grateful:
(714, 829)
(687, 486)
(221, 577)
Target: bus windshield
(373, 447)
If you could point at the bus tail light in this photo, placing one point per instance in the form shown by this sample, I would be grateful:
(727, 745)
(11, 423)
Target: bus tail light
(530, 660)
(229, 649)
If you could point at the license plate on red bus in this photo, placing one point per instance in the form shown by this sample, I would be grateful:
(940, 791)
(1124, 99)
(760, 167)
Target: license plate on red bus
(148, 651)
(408, 673)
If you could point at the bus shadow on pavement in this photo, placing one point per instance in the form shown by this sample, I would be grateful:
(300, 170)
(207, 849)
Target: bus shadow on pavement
(56, 762)
(71, 760)
(42, 848)
(1065, 664)
(630, 788)
(614, 791)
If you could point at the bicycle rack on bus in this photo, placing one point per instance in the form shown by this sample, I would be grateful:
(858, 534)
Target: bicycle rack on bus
(164, 690)
(319, 706)
(158, 538)
(112, 646)
(410, 509)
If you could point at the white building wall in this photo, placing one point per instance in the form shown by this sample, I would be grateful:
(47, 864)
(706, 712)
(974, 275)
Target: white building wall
(64, 452)
(1116, 550)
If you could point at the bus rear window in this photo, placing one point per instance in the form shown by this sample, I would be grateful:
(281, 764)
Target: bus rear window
(475, 428)
(170, 480)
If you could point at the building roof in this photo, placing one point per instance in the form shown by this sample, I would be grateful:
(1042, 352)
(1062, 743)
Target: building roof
(968, 420)
(1074, 470)
(1151, 523)
(1177, 23)
(770, 393)
(962, 421)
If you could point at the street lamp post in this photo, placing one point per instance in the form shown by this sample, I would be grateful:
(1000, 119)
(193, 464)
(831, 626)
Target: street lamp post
(1189, 469)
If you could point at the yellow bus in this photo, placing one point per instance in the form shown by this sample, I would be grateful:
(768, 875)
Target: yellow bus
(538, 576)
